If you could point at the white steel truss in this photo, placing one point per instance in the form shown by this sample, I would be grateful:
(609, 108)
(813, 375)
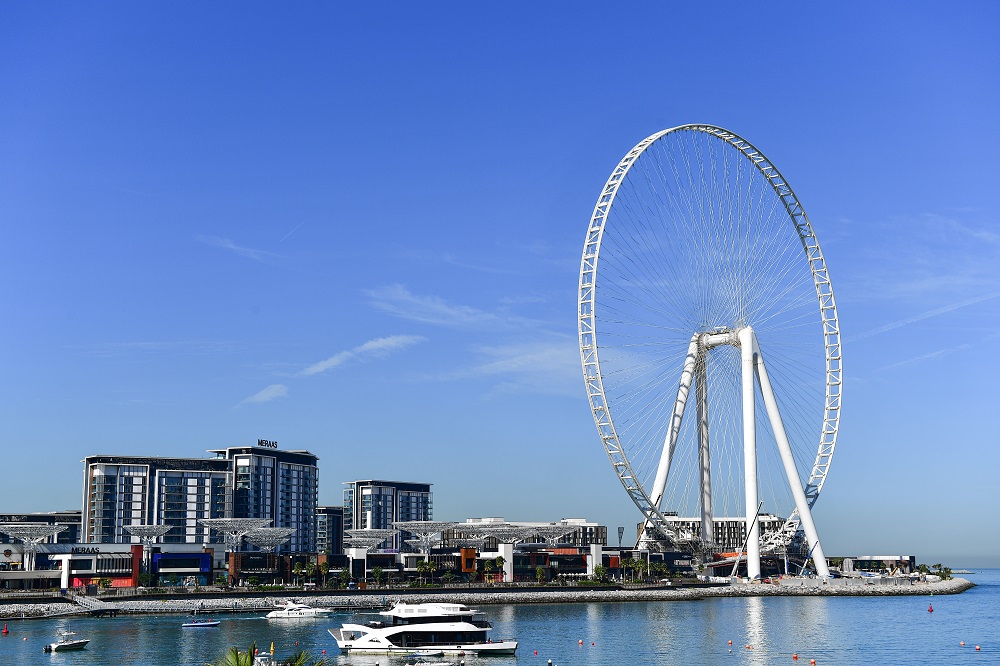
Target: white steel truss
(649, 499)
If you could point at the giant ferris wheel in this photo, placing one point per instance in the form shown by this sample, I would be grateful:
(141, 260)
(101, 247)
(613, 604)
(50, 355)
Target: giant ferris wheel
(710, 342)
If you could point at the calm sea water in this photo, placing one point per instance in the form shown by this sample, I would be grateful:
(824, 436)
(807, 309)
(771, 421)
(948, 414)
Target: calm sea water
(841, 630)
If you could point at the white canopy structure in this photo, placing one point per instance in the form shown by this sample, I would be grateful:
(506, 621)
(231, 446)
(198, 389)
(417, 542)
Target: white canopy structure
(234, 529)
(31, 535)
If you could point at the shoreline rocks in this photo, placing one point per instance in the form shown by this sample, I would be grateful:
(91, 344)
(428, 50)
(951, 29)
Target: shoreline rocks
(376, 598)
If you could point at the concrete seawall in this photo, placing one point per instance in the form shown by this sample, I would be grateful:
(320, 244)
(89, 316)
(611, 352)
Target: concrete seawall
(377, 598)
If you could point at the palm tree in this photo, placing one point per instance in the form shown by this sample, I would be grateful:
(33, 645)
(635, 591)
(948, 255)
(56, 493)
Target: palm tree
(233, 657)
(303, 658)
(500, 560)
(311, 571)
(422, 569)
(324, 569)
(487, 569)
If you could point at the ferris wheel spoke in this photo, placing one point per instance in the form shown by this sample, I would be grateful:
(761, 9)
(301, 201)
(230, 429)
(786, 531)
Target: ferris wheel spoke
(696, 237)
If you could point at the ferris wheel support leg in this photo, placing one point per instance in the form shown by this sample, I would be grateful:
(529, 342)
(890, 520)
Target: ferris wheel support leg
(670, 443)
(746, 338)
(791, 471)
(704, 455)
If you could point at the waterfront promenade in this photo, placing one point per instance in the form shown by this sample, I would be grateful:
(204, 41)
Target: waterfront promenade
(15, 607)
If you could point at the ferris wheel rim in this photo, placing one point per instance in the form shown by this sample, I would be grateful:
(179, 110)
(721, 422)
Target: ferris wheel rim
(587, 328)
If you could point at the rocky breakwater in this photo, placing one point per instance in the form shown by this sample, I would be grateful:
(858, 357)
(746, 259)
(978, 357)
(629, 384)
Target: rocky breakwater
(12, 610)
(380, 598)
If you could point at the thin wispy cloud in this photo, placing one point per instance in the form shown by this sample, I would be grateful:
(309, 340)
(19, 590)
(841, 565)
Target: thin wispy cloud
(378, 347)
(549, 366)
(272, 392)
(397, 300)
(451, 260)
(292, 231)
(248, 252)
(924, 357)
(925, 315)
(175, 347)
(920, 258)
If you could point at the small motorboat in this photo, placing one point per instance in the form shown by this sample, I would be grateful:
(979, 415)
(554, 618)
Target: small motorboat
(196, 624)
(67, 642)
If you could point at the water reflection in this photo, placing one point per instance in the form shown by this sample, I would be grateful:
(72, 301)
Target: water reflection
(841, 630)
(757, 645)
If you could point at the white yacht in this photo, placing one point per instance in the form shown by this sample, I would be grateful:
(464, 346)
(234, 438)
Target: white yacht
(419, 628)
(290, 609)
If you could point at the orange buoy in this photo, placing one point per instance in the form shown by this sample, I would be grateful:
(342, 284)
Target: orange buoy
(581, 641)
(977, 647)
(962, 643)
(795, 657)
(813, 662)
(730, 642)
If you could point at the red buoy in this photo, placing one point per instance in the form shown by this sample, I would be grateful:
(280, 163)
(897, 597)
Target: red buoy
(930, 609)
(5, 632)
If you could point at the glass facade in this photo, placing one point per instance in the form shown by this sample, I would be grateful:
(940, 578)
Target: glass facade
(240, 482)
(117, 496)
(330, 530)
(282, 486)
(376, 505)
(185, 497)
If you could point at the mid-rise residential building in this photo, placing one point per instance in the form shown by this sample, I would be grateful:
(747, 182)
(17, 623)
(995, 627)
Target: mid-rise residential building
(330, 530)
(276, 484)
(239, 482)
(119, 491)
(376, 505)
(729, 533)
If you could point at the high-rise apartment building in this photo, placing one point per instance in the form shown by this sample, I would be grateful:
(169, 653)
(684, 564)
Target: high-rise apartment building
(239, 482)
(276, 484)
(375, 505)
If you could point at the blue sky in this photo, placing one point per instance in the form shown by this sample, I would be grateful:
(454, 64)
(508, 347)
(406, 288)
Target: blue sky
(356, 229)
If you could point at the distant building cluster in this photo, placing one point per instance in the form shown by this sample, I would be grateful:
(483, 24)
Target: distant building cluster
(251, 513)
